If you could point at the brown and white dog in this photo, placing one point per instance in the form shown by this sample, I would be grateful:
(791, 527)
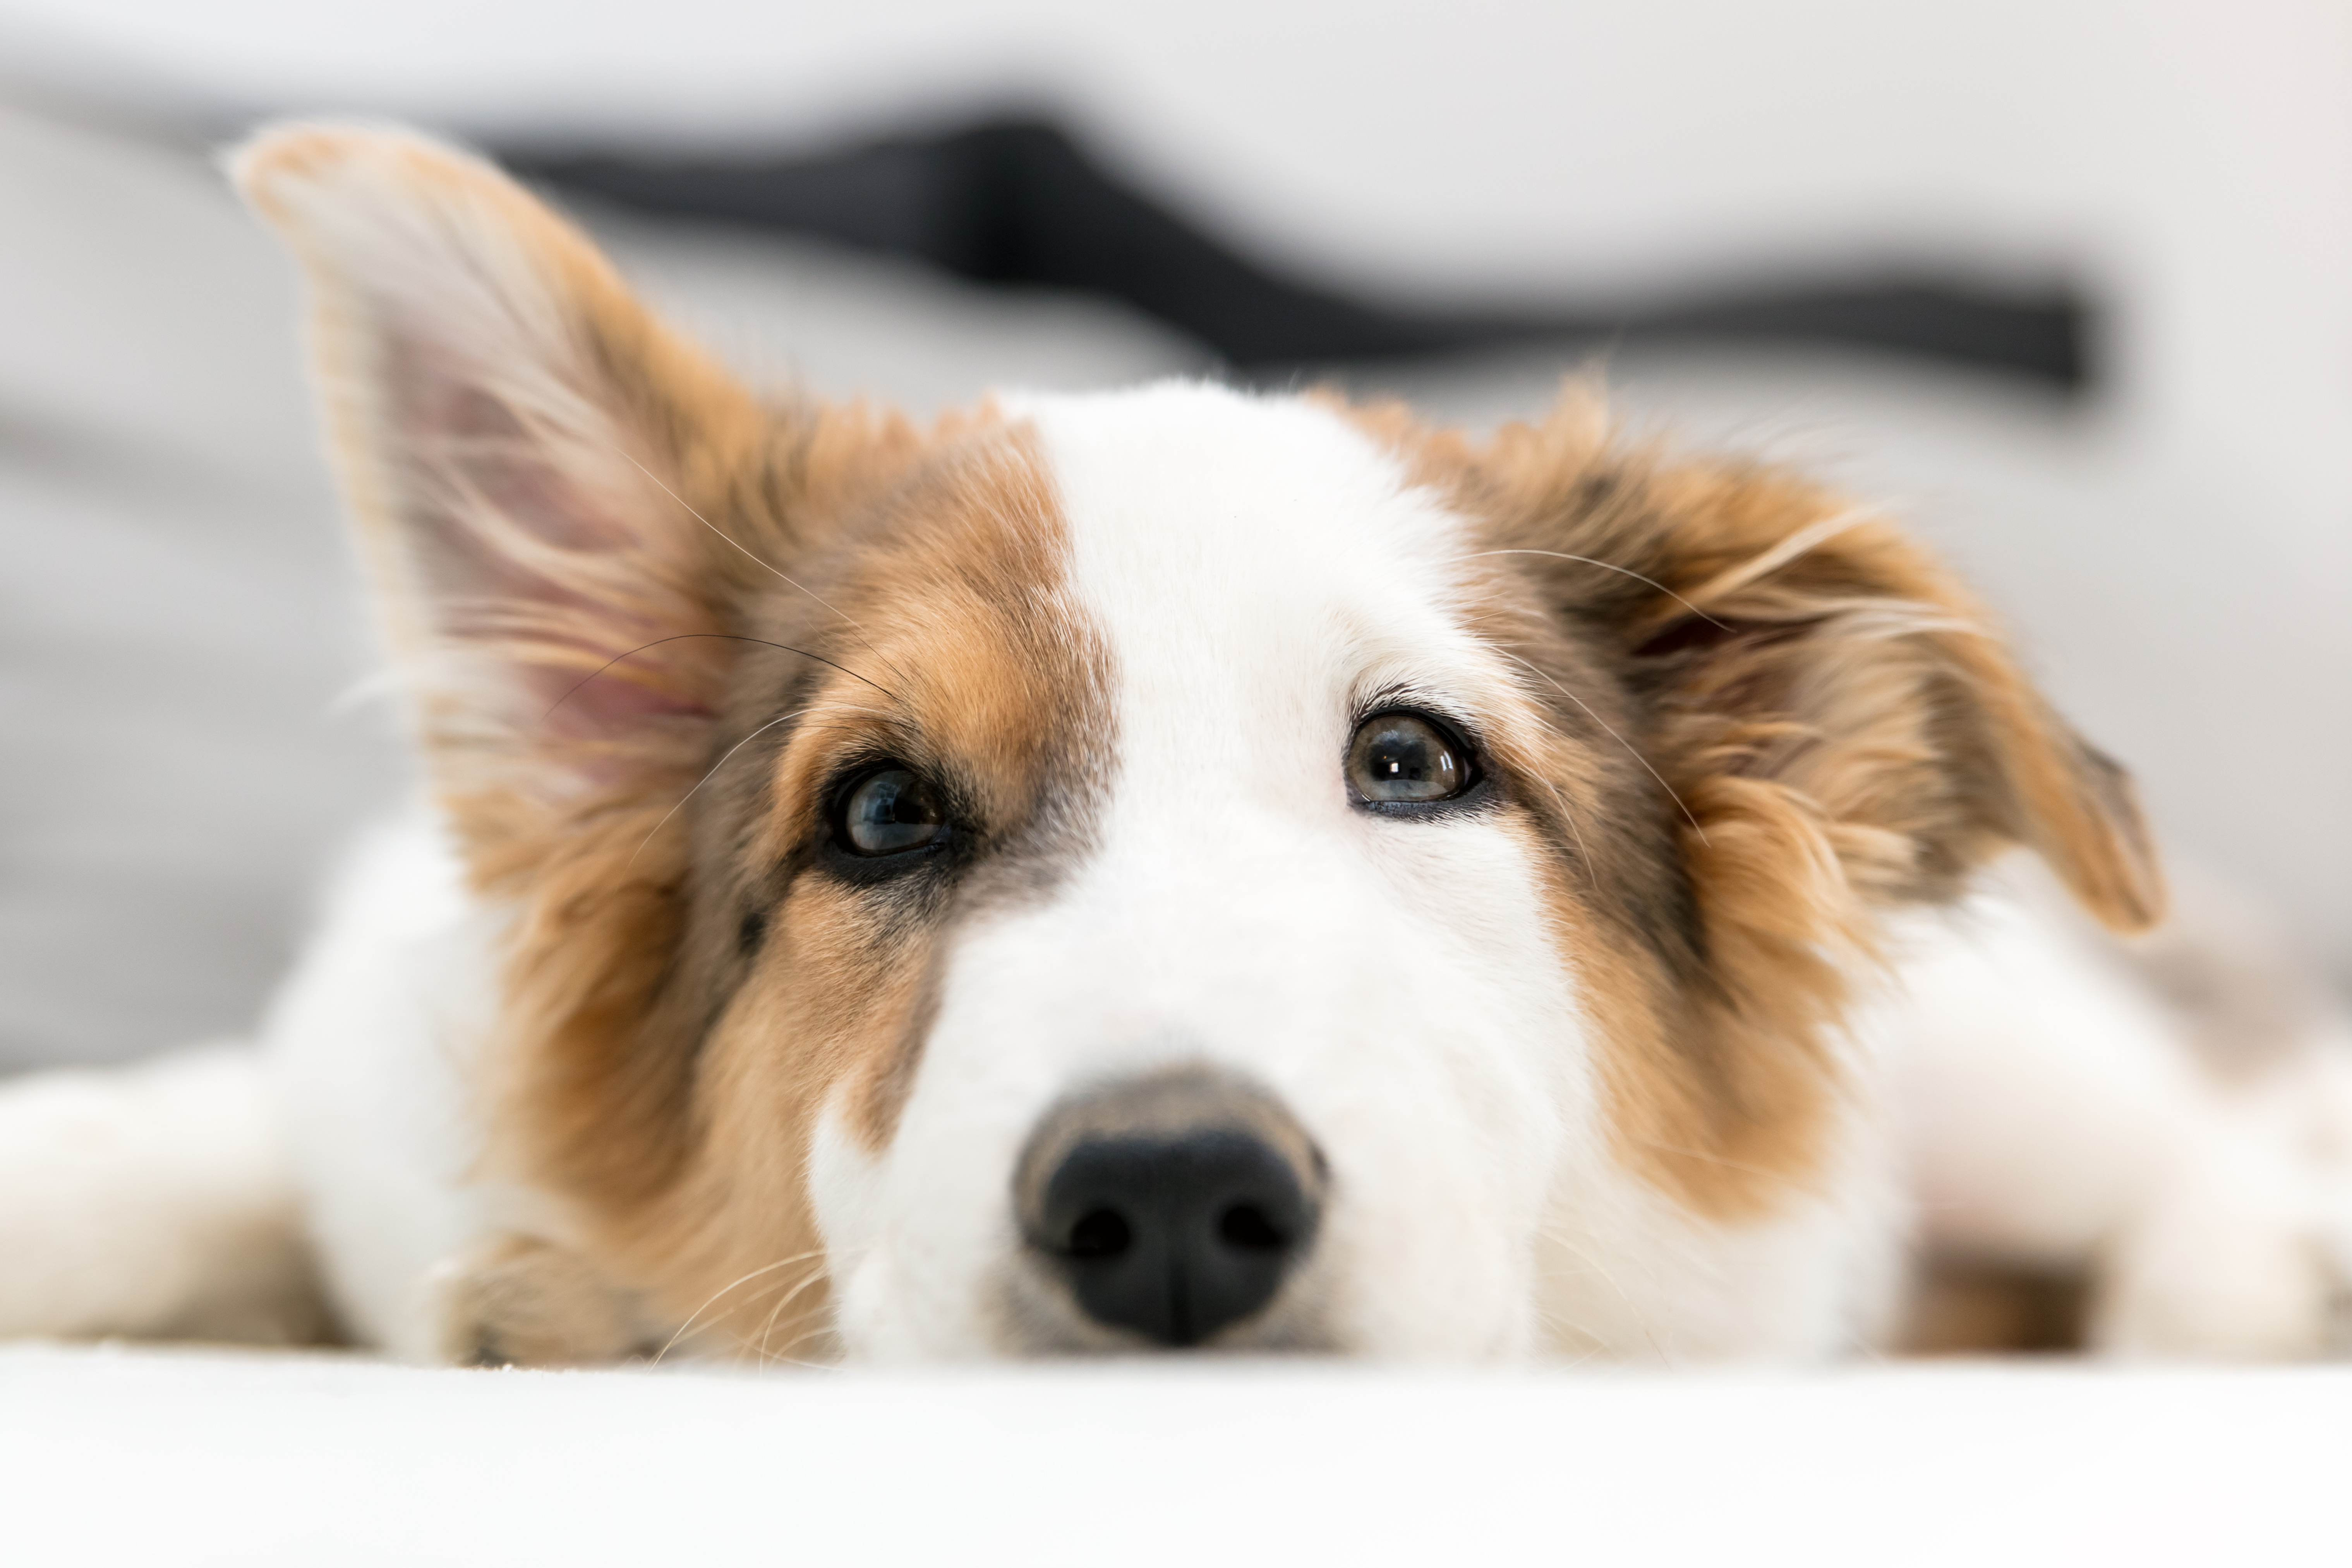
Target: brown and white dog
(1177, 868)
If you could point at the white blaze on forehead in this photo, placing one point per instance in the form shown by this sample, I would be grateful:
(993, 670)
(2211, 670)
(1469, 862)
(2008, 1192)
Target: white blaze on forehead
(1260, 570)
(1253, 562)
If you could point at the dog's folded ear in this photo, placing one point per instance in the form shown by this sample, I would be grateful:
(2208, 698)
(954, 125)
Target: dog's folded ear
(525, 452)
(1816, 679)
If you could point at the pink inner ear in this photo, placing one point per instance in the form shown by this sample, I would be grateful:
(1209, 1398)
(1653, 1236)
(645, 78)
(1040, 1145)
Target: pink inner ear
(518, 556)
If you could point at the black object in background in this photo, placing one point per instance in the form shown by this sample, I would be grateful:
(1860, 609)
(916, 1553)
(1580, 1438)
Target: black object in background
(1016, 202)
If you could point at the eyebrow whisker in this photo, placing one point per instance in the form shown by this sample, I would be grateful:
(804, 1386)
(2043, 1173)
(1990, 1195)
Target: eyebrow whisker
(1583, 853)
(1630, 750)
(706, 778)
(731, 637)
(1610, 566)
(761, 561)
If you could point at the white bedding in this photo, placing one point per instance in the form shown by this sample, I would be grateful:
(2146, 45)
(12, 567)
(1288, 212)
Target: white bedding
(140, 1457)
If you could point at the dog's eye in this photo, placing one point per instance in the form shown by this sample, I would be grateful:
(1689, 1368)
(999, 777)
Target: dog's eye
(1406, 759)
(890, 811)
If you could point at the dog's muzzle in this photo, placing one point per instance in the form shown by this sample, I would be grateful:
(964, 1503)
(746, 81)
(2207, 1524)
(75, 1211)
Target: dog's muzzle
(1172, 1206)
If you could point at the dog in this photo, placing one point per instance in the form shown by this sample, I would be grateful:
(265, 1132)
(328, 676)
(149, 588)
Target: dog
(1172, 869)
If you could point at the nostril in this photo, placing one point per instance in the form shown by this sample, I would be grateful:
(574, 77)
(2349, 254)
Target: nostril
(1245, 1226)
(1100, 1233)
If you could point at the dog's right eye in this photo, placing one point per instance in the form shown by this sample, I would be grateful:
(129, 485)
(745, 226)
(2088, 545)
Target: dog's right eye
(1406, 759)
(889, 812)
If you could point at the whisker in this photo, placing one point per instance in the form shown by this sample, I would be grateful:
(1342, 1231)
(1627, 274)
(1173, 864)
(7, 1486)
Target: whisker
(1780, 554)
(761, 561)
(1559, 1238)
(1610, 566)
(687, 636)
(824, 728)
(769, 1327)
(1560, 801)
(722, 1290)
(784, 1357)
(1621, 740)
(706, 778)
(1561, 1327)
(1731, 1165)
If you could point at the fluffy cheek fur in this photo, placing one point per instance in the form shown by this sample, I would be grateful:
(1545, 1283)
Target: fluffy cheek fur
(1424, 1035)
(833, 997)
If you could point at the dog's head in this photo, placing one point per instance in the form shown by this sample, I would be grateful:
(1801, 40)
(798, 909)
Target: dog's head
(1161, 868)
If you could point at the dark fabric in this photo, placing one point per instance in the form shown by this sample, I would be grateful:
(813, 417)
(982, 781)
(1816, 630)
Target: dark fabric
(1016, 202)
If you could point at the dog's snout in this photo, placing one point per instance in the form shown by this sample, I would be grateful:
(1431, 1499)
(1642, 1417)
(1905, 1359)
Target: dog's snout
(1171, 1207)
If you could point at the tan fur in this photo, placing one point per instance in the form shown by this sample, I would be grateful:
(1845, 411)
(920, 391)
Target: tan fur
(961, 613)
(684, 1158)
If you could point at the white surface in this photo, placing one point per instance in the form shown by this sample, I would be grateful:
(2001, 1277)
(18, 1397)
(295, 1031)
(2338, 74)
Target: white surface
(118, 1457)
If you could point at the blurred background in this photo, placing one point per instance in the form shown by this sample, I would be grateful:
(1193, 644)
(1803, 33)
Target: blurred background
(2068, 283)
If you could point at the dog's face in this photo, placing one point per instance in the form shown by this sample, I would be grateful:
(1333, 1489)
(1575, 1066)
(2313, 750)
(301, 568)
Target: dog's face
(1229, 889)
(1158, 868)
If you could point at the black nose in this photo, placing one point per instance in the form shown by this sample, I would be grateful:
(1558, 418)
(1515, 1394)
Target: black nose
(1173, 1206)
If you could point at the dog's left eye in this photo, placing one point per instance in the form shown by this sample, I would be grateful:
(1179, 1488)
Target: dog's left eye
(890, 811)
(1407, 759)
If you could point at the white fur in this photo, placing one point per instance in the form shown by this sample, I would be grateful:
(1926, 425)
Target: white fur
(372, 1037)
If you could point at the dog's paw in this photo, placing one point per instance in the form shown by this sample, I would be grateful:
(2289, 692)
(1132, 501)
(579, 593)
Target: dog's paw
(2235, 1259)
(154, 1201)
(517, 1300)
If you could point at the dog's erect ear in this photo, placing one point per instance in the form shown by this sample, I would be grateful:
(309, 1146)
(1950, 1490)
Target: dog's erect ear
(1815, 675)
(524, 451)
